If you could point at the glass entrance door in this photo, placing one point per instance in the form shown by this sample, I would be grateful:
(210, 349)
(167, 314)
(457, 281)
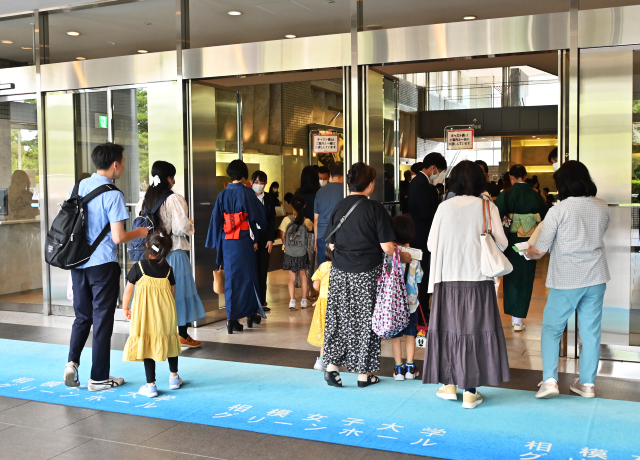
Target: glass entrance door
(21, 265)
(144, 119)
(215, 142)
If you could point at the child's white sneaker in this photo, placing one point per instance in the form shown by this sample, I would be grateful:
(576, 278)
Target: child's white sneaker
(150, 391)
(411, 373)
(175, 382)
(398, 372)
(292, 304)
(304, 303)
(320, 365)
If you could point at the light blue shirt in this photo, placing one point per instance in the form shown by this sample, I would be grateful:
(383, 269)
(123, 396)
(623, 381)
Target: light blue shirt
(108, 207)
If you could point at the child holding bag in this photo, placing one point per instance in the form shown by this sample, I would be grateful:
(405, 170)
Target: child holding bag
(153, 335)
(405, 231)
(321, 284)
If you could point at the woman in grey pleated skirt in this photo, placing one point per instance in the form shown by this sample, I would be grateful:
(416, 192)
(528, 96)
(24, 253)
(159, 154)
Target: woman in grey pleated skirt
(465, 342)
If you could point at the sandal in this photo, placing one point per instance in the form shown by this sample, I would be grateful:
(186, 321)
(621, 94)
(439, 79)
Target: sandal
(371, 380)
(333, 378)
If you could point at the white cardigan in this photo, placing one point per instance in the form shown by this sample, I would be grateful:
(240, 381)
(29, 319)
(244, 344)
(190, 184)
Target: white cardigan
(174, 217)
(454, 240)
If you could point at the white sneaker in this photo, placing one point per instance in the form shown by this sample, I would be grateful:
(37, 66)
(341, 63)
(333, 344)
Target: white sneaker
(150, 391)
(175, 382)
(71, 375)
(111, 382)
(548, 389)
(320, 365)
(470, 400)
(292, 304)
(304, 303)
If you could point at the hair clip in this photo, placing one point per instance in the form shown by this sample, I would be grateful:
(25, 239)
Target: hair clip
(154, 181)
(160, 235)
(155, 248)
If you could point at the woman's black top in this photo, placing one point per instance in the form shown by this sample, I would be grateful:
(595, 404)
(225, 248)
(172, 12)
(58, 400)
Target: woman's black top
(357, 242)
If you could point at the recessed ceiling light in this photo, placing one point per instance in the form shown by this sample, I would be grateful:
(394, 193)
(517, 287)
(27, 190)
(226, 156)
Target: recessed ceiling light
(111, 43)
(143, 51)
(533, 137)
(243, 76)
(80, 58)
(234, 13)
(469, 18)
(290, 36)
(26, 47)
(374, 27)
(7, 42)
(538, 138)
(73, 34)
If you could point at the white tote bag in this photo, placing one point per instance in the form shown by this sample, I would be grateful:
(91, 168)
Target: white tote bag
(493, 261)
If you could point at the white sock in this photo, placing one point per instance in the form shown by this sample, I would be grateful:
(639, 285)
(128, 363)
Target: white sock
(517, 321)
(551, 380)
(588, 385)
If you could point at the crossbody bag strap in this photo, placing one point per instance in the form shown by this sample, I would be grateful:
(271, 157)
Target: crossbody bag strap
(90, 196)
(343, 218)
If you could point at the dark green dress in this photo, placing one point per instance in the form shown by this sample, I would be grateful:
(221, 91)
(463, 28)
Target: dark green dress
(518, 285)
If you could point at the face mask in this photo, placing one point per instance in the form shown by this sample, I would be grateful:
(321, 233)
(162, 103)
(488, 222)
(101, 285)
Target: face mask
(556, 166)
(258, 188)
(323, 183)
(434, 177)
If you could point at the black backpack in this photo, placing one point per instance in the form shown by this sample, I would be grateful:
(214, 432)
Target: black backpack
(147, 219)
(66, 244)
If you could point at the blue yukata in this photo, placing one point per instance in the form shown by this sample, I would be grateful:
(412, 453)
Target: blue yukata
(237, 219)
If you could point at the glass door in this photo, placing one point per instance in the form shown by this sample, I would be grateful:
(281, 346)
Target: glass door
(20, 283)
(144, 119)
(215, 142)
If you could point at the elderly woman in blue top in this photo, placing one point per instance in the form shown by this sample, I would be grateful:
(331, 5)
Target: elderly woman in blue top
(237, 219)
(573, 232)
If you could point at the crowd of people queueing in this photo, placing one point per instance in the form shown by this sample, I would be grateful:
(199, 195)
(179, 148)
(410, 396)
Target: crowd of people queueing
(465, 343)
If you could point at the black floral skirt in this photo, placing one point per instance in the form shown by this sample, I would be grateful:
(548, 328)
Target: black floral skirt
(348, 338)
(295, 264)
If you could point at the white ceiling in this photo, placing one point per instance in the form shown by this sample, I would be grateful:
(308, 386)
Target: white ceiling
(126, 24)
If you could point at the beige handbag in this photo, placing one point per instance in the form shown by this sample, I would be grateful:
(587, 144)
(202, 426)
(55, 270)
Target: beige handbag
(218, 281)
(492, 261)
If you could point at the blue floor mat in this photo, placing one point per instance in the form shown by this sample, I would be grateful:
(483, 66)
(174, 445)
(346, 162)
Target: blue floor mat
(395, 416)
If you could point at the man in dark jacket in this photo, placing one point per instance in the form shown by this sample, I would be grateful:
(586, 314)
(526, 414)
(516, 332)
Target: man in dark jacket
(266, 236)
(423, 202)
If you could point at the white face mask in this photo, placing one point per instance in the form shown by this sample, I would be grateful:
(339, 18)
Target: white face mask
(323, 183)
(556, 166)
(434, 177)
(258, 188)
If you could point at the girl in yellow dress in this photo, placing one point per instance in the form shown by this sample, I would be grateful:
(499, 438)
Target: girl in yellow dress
(154, 321)
(320, 283)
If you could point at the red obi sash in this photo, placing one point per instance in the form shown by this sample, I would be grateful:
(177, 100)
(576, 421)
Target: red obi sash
(233, 224)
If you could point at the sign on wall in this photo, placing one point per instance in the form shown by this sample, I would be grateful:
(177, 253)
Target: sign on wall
(326, 143)
(460, 139)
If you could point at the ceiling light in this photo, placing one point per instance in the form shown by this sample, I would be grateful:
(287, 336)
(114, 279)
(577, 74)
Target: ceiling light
(73, 34)
(290, 36)
(80, 58)
(142, 51)
(7, 42)
(26, 47)
(533, 137)
(234, 13)
(469, 18)
(111, 43)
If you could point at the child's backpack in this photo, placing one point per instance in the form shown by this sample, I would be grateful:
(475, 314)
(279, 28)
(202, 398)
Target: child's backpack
(295, 239)
(391, 313)
(66, 244)
(147, 219)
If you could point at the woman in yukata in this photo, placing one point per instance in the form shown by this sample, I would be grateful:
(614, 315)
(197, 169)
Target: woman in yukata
(237, 219)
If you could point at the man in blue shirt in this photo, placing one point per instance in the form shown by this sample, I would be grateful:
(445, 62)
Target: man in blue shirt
(96, 284)
(326, 199)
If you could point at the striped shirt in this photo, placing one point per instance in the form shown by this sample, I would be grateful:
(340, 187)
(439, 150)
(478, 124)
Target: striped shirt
(573, 232)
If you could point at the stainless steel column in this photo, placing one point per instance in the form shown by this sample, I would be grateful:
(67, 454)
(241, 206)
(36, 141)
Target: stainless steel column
(605, 140)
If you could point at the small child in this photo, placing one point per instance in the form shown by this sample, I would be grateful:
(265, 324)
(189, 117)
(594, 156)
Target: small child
(293, 233)
(154, 323)
(321, 284)
(405, 232)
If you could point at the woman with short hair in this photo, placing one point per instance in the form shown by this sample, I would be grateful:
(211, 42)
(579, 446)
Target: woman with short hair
(173, 216)
(573, 233)
(358, 247)
(237, 220)
(465, 341)
(524, 209)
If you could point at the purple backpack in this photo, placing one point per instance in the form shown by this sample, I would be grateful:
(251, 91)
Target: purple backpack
(391, 314)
